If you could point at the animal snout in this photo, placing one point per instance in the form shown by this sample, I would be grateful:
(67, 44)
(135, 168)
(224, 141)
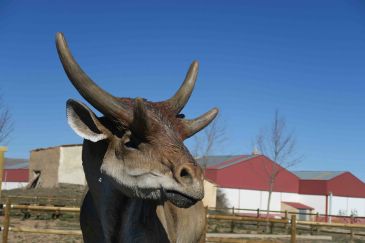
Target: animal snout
(186, 174)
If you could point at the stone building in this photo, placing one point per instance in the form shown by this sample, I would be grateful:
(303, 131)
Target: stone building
(48, 167)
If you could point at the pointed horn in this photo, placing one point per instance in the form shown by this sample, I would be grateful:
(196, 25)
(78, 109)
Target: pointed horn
(97, 97)
(181, 97)
(197, 124)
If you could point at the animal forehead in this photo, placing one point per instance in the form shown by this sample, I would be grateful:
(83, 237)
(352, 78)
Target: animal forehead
(164, 117)
(176, 153)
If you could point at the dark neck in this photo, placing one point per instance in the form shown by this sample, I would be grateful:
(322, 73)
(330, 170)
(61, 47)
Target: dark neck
(146, 219)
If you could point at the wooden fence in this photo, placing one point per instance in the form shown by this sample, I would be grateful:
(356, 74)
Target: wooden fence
(352, 219)
(290, 223)
(6, 223)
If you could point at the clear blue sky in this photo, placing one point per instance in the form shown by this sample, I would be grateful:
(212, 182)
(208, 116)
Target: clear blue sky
(305, 58)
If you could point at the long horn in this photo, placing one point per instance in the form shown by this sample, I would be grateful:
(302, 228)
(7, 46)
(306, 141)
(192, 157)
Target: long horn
(197, 124)
(181, 97)
(97, 97)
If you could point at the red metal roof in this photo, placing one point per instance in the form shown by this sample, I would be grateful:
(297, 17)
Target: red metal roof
(16, 175)
(298, 205)
(252, 172)
(231, 161)
(343, 185)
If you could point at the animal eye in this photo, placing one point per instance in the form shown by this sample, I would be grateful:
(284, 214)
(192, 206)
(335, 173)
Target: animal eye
(131, 144)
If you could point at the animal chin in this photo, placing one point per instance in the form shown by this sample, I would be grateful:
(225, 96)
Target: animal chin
(178, 199)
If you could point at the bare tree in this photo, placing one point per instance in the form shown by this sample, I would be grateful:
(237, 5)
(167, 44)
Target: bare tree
(278, 144)
(206, 142)
(222, 201)
(6, 124)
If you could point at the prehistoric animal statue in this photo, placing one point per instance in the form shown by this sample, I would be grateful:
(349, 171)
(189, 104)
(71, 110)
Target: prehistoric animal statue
(144, 185)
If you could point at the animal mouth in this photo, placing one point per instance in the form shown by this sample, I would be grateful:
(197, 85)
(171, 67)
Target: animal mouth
(179, 199)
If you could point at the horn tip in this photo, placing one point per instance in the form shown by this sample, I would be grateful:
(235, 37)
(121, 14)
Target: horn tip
(139, 99)
(214, 112)
(59, 35)
(195, 64)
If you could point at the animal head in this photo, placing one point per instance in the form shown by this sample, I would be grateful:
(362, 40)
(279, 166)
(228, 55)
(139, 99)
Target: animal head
(146, 157)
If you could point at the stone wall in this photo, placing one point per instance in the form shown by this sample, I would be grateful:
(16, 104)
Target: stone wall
(45, 162)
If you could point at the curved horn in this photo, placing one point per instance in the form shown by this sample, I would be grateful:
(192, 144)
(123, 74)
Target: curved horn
(97, 97)
(195, 125)
(181, 97)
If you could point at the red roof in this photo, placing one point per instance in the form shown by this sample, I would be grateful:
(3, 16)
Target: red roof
(298, 205)
(16, 175)
(252, 172)
(230, 162)
(345, 185)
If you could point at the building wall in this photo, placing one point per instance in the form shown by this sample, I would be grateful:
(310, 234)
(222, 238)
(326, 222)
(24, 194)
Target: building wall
(254, 199)
(286, 207)
(210, 194)
(13, 185)
(46, 161)
(315, 201)
(348, 205)
(346, 185)
(313, 187)
(70, 168)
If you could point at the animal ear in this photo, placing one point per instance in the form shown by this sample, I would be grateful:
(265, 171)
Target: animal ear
(84, 122)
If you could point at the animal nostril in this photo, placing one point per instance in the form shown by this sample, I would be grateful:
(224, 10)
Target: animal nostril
(185, 176)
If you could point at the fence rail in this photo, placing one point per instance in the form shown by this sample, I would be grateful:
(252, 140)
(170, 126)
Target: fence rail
(285, 214)
(45, 231)
(46, 208)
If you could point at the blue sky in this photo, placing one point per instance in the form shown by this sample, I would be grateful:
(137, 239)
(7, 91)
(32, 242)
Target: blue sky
(306, 59)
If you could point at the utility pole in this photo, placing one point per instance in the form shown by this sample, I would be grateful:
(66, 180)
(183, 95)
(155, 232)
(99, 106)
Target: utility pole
(2, 161)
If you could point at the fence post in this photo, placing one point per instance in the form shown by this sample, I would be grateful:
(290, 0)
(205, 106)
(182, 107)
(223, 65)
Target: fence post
(287, 219)
(206, 224)
(258, 213)
(352, 235)
(271, 227)
(6, 221)
(293, 229)
(2, 162)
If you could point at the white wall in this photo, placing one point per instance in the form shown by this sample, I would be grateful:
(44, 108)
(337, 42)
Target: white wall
(252, 199)
(315, 201)
(347, 205)
(13, 185)
(70, 169)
